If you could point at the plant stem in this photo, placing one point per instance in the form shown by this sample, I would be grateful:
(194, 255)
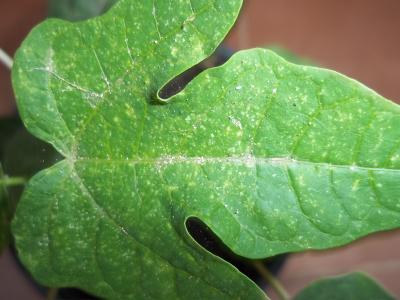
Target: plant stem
(6, 59)
(271, 279)
(52, 294)
(12, 181)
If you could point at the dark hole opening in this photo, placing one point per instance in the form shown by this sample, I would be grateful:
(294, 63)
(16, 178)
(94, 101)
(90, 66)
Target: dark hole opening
(178, 83)
(207, 239)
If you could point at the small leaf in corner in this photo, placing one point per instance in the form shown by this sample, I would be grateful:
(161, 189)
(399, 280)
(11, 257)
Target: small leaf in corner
(354, 286)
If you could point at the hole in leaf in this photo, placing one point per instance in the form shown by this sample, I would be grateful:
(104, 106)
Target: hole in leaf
(178, 83)
(204, 236)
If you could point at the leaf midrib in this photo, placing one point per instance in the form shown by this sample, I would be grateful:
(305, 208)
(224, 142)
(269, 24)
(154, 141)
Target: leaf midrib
(247, 160)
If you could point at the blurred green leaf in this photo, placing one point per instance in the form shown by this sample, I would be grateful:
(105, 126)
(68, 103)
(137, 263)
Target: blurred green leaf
(21, 155)
(4, 215)
(76, 10)
(354, 286)
(8, 127)
(24, 156)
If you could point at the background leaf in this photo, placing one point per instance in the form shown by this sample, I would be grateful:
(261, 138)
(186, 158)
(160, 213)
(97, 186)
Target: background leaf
(4, 213)
(355, 286)
(8, 128)
(272, 156)
(77, 10)
(22, 155)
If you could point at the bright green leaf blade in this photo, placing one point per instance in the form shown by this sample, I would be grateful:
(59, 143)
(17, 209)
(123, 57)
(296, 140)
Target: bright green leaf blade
(273, 157)
(138, 31)
(75, 10)
(137, 44)
(355, 286)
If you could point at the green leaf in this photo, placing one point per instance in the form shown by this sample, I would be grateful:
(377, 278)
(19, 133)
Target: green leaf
(4, 214)
(272, 156)
(6, 207)
(76, 10)
(354, 286)
(8, 127)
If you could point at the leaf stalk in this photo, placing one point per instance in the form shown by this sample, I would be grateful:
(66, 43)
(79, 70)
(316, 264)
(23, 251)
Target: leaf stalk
(12, 181)
(52, 294)
(271, 280)
(6, 59)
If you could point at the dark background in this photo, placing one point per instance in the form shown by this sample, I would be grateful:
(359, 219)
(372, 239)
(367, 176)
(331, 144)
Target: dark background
(360, 38)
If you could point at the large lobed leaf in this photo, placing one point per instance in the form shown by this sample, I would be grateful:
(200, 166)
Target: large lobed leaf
(272, 156)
